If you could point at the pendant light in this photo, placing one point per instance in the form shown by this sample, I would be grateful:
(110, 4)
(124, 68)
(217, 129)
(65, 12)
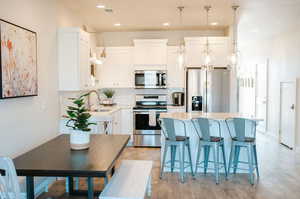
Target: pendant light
(207, 58)
(234, 55)
(181, 50)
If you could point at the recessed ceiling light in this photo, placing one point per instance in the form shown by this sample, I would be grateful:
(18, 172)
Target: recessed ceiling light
(117, 24)
(166, 24)
(100, 6)
(214, 23)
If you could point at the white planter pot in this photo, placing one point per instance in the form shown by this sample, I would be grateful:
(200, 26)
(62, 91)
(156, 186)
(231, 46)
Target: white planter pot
(79, 140)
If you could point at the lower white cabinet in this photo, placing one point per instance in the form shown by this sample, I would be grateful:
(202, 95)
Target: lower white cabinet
(123, 122)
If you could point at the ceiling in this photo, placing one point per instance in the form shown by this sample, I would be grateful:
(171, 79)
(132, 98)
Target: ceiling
(255, 16)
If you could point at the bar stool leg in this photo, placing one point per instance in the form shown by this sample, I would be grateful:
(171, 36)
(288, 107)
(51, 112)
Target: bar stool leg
(216, 161)
(250, 162)
(236, 158)
(206, 158)
(198, 158)
(173, 156)
(256, 162)
(231, 157)
(224, 160)
(162, 166)
(190, 158)
(181, 159)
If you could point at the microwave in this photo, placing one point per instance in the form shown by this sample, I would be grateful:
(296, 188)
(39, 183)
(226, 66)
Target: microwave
(150, 79)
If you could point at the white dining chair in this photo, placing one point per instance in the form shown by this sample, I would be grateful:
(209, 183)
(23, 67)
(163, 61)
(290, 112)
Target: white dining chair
(9, 184)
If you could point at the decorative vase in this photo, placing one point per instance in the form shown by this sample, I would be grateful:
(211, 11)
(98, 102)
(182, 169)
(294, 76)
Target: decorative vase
(108, 101)
(79, 140)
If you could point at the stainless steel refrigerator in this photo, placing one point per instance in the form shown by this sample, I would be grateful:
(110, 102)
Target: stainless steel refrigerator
(207, 90)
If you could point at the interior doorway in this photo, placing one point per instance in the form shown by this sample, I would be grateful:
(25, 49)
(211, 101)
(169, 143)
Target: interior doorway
(288, 113)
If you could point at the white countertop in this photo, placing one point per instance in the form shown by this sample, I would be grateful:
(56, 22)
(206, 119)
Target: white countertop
(106, 115)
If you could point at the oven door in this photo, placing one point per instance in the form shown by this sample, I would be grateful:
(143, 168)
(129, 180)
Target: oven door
(146, 135)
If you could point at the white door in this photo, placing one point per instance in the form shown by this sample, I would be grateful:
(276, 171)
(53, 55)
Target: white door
(261, 98)
(287, 113)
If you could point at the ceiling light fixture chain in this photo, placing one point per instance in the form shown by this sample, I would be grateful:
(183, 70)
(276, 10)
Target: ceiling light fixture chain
(181, 50)
(207, 59)
(234, 55)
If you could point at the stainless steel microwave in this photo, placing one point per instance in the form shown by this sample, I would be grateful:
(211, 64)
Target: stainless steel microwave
(150, 79)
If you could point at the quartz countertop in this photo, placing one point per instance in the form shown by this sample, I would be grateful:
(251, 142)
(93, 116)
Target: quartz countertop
(216, 116)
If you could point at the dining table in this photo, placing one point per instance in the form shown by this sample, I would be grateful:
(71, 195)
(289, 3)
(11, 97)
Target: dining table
(56, 159)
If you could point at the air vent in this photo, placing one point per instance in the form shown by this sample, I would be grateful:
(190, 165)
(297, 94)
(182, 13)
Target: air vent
(108, 10)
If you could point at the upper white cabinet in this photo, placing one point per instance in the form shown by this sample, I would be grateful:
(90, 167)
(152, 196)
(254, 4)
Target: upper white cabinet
(73, 59)
(175, 70)
(196, 47)
(150, 54)
(117, 70)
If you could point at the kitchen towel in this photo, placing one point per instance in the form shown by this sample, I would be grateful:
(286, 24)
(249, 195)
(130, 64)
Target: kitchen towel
(152, 118)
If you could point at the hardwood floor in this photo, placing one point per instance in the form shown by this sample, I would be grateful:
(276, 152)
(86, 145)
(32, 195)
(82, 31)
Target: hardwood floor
(279, 178)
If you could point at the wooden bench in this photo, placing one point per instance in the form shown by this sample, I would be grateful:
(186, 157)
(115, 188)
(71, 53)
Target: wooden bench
(131, 181)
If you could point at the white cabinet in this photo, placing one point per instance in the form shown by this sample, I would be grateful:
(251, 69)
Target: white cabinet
(117, 122)
(73, 59)
(117, 70)
(196, 47)
(150, 54)
(175, 70)
(127, 121)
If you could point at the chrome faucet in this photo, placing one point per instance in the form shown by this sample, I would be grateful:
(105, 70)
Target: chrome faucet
(89, 98)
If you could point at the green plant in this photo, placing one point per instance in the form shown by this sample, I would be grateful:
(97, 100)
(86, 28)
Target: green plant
(109, 93)
(78, 114)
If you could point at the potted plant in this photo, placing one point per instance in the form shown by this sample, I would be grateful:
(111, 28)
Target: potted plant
(109, 93)
(79, 123)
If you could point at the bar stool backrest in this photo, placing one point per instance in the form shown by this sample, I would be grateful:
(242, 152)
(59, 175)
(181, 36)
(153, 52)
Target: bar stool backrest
(9, 184)
(203, 128)
(241, 128)
(168, 128)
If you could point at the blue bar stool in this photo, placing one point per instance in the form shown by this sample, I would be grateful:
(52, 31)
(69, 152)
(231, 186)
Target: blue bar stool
(243, 135)
(204, 128)
(174, 141)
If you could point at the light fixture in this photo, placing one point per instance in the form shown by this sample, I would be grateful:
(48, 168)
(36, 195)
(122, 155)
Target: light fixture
(234, 55)
(214, 23)
(100, 6)
(93, 58)
(117, 24)
(207, 58)
(166, 24)
(181, 49)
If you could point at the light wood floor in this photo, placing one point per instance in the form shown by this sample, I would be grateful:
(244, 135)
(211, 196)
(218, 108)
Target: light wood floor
(279, 170)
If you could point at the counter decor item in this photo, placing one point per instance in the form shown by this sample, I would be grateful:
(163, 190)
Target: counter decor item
(79, 123)
(18, 61)
(109, 93)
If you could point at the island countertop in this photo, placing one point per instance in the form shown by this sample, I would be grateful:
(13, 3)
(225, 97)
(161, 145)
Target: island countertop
(216, 116)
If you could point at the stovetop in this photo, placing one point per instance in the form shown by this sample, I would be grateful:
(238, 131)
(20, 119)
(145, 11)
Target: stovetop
(150, 107)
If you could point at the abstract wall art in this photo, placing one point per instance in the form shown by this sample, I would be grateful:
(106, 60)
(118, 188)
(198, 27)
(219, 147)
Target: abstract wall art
(18, 61)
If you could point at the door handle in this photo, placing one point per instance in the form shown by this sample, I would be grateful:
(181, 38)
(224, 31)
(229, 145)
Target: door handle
(293, 107)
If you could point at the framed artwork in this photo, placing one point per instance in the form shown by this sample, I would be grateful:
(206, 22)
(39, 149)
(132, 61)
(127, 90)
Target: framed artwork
(18, 61)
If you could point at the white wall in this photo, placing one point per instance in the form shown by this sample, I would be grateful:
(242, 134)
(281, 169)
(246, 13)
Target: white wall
(283, 52)
(28, 122)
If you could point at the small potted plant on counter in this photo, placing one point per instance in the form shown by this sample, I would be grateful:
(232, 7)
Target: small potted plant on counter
(79, 123)
(109, 93)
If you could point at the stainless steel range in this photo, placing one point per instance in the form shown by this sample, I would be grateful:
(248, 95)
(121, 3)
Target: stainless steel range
(147, 131)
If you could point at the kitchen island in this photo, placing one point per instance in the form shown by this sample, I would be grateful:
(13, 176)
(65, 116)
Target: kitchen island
(194, 139)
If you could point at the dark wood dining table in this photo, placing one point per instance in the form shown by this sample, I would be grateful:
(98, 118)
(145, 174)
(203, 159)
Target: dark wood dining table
(55, 159)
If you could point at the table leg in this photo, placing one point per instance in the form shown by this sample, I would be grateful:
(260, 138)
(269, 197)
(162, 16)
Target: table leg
(71, 185)
(90, 188)
(113, 171)
(30, 187)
